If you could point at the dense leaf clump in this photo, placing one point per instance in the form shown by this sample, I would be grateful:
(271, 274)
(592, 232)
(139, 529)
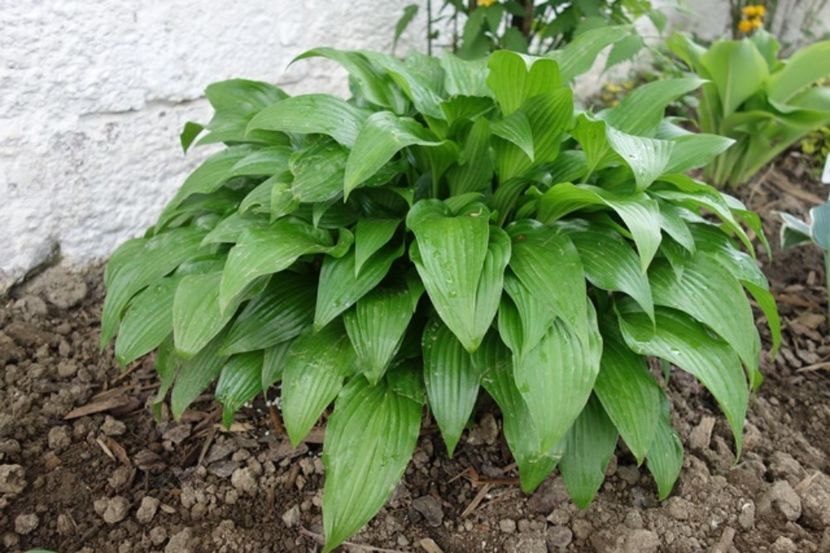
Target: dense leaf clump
(455, 225)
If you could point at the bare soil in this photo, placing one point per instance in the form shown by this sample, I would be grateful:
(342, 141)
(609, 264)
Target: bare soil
(84, 466)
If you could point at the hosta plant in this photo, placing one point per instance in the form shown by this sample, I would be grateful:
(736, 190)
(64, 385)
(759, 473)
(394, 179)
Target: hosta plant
(456, 228)
(764, 103)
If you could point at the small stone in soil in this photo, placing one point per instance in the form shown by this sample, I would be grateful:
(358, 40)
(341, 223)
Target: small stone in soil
(59, 438)
(147, 509)
(782, 498)
(12, 479)
(701, 434)
(430, 508)
(550, 494)
(629, 473)
(746, 516)
(243, 480)
(814, 492)
(113, 427)
(291, 517)
(507, 525)
(784, 545)
(559, 536)
(112, 509)
(180, 542)
(158, 535)
(641, 541)
(26, 523)
(678, 508)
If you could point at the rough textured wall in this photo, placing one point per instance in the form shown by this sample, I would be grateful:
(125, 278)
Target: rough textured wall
(93, 94)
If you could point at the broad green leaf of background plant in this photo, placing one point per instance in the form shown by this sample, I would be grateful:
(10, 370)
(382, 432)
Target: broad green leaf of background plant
(383, 135)
(804, 68)
(239, 382)
(377, 324)
(589, 445)
(641, 111)
(691, 151)
(523, 319)
(579, 55)
(523, 438)
(147, 321)
(369, 439)
(273, 363)
(318, 172)
(370, 235)
(665, 456)
(313, 114)
(197, 316)
(313, 374)
(556, 377)
(686, 343)
(737, 69)
(452, 381)
(194, 375)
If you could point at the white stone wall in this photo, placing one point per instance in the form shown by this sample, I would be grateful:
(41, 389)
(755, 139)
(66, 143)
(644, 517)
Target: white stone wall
(93, 94)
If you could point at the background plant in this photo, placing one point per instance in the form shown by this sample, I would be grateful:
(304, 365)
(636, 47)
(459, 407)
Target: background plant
(425, 239)
(477, 27)
(781, 17)
(765, 103)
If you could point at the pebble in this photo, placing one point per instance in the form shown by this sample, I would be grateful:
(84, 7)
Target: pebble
(67, 369)
(641, 541)
(120, 477)
(26, 523)
(582, 529)
(724, 544)
(548, 496)
(430, 509)
(746, 516)
(180, 542)
(701, 435)
(629, 473)
(291, 517)
(158, 535)
(814, 492)
(65, 525)
(784, 545)
(526, 544)
(507, 525)
(678, 508)
(112, 509)
(785, 466)
(243, 480)
(485, 432)
(147, 509)
(59, 438)
(12, 479)
(559, 536)
(783, 498)
(113, 427)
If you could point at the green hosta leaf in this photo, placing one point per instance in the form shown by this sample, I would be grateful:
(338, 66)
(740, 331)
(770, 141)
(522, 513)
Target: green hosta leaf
(665, 456)
(375, 86)
(189, 133)
(147, 322)
(341, 285)
(138, 263)
(280, 313)
(624, 50)
(737, 69)
(242, 96)
(197, 316)
(672, 221)
(274, 249)
(514, 78)
(641, 112)
(710, 294)
(166, 365)
(794, 232)
(262, 162)
(580, 54)
(313, 374)
(464, 77)
(194, 376)
(516, 129)
(524, 440)
(370, 437)
(318, 172)
(524, 323)
(547, 263)
(257, 202)
(691, 151)
(409, 13)
(207, 178)
(231, 228)
(804, 68)
(452, 381)
(414, 78)
(370, 235)
(273, 363)
(629, 394)
(647, 158)
(610, 262)
(239, 382)
(556, 377)
(461, 261)
(686, 343)
(589, 445)
(377, 324)
(313, 114)
(640, 213)
(383, 135)
(550, 117)
(474, 171)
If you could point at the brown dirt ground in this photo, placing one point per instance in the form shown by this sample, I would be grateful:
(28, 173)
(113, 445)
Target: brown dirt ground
(84, 467)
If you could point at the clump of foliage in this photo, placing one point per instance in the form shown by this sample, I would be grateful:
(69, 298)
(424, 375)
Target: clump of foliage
(765, 103)
(455, 225)
(815, 230)
(530, 26)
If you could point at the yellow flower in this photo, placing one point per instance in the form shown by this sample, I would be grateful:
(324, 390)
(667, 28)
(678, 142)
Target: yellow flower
(760, 11)
(745, 26)
(757, 23)
(613, 87)
(486, 3)
(748, 11)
